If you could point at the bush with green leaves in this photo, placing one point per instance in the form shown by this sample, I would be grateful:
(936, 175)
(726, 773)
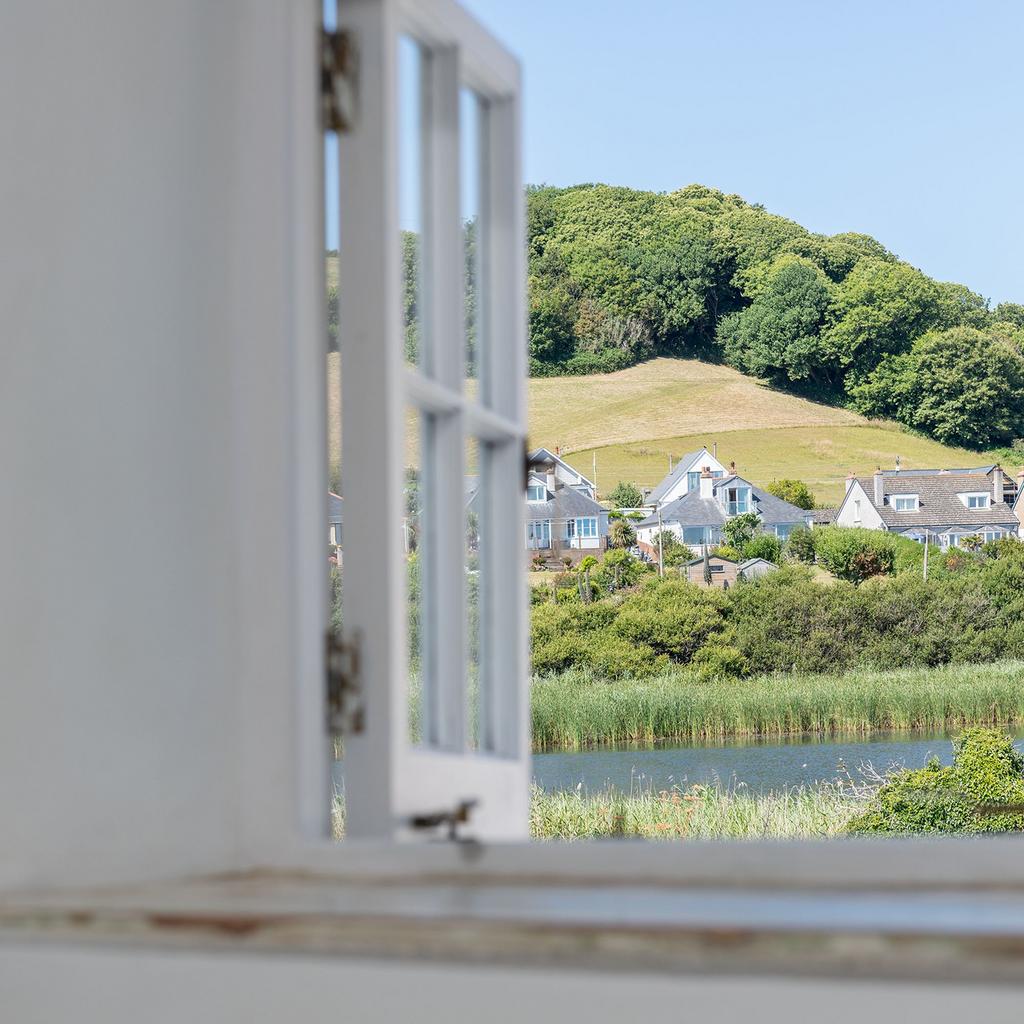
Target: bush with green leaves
(796, 492)
(981, 791)
(800, 544)
(764, 545)
(626, 494)
(856, 554)
(737, 530)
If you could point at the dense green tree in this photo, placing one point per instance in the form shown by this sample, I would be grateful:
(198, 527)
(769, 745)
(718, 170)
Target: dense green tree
(879, 309)
(764, 545)
(960, 307)
(961, 386)
(626, 494)
(621, 533)
(779, 335)
(796, 492)
(1009, 313)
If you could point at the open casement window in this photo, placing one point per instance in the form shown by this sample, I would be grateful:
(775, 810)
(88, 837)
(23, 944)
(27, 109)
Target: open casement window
(433, 420)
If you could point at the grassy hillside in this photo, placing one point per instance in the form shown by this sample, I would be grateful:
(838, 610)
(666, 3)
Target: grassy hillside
(634, 419)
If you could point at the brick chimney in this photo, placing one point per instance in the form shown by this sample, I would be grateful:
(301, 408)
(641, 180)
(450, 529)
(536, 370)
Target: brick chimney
(879, 488)
(997, 485)
(732, 468)
(851, 476)
(707, 484)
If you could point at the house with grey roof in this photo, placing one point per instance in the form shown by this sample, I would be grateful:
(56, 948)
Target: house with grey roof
(943, 506)
(563, 519)
(684, 477)
(334, 510)
(697, 517)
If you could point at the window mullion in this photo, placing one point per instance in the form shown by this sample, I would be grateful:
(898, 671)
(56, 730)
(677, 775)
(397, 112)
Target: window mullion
(502, 271)
(443, 329)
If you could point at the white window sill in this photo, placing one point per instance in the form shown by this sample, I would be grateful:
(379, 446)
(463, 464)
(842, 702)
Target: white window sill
(950, 934)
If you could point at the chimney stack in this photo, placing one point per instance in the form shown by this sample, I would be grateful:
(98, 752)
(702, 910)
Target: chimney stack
(732, 468)
(849, 480)
(707, 484)
(879, 488)
(551, 481)
(997, 485)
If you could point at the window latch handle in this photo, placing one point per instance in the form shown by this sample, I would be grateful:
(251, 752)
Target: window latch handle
(452, 819)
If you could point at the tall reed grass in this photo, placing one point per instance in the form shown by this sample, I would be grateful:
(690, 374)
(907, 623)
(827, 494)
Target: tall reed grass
(804, 812)
(577, 709)
(702, 812)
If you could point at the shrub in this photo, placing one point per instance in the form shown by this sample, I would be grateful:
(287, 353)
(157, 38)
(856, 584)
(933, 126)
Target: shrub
(764, 545)
(987, 774)
(626, 495)
(855, 554)
(796, 492)
(720, 660)
(673, 618)
(800, 545)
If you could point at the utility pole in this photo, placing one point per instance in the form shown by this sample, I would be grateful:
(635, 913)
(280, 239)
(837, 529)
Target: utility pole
(595, 471)
(661, 546)
(926, 554)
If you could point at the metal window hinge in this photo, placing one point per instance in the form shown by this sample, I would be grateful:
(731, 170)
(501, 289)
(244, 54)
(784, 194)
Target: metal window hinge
(452, 819)
(346, 713)
(339, 80)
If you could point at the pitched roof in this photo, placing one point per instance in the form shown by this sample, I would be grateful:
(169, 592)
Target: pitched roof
(711, 558)
(693, 510)
(748, 562)
(567, 503)
(938, 501)
(539, 455)
(823, 516)
(682, 467)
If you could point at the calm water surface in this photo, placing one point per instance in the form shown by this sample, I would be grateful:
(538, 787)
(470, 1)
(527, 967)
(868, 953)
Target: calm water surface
(761, 766)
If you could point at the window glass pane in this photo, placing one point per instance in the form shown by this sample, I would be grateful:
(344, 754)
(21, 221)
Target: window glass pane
(472, 114)
(476, 572)
(415, 544)
(410, 198)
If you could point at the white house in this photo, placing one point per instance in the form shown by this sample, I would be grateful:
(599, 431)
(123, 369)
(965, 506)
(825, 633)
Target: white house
(563, 519)
(685, 477)
(697, 517)
(942, 505)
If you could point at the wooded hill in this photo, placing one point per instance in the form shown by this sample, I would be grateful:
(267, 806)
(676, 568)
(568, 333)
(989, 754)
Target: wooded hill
(619, 276)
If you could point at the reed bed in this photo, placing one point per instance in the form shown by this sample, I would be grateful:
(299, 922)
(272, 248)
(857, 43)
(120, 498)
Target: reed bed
(701, 812)
(576, 709)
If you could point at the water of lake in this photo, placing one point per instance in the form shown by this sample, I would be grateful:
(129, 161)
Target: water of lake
(761, 766)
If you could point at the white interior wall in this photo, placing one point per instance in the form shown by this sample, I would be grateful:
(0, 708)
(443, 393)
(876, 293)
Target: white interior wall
(139, 282)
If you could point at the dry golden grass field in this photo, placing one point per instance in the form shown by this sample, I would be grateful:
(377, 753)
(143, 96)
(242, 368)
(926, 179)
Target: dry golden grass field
(632, 421)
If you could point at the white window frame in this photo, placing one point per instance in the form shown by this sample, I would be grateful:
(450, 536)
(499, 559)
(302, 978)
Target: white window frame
(283, 782)
(532, 498)
(914, 502)
(973, 496)
(389, 780)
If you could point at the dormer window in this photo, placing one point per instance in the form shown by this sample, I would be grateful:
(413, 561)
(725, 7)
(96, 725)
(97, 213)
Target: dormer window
(904, 502)
(977, 500)
(536, 492)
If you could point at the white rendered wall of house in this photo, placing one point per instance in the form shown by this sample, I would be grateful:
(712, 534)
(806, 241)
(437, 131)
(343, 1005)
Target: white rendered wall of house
(869, 517)
(679, 488)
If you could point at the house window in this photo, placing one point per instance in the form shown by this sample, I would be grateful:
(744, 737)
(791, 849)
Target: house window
(904, 502)
(693, 535)
(538, 534)
(977, 501)
(536, 492)
(692, 481)
(718, 568)
(587, 526)
(856, 510)
(991, 535)
(737, 500)
(783, 530)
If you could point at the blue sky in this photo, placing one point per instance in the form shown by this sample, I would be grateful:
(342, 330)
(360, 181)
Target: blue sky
(902, 119)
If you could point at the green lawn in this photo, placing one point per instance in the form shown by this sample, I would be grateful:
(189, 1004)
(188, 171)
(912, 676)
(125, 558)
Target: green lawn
(821, 456)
